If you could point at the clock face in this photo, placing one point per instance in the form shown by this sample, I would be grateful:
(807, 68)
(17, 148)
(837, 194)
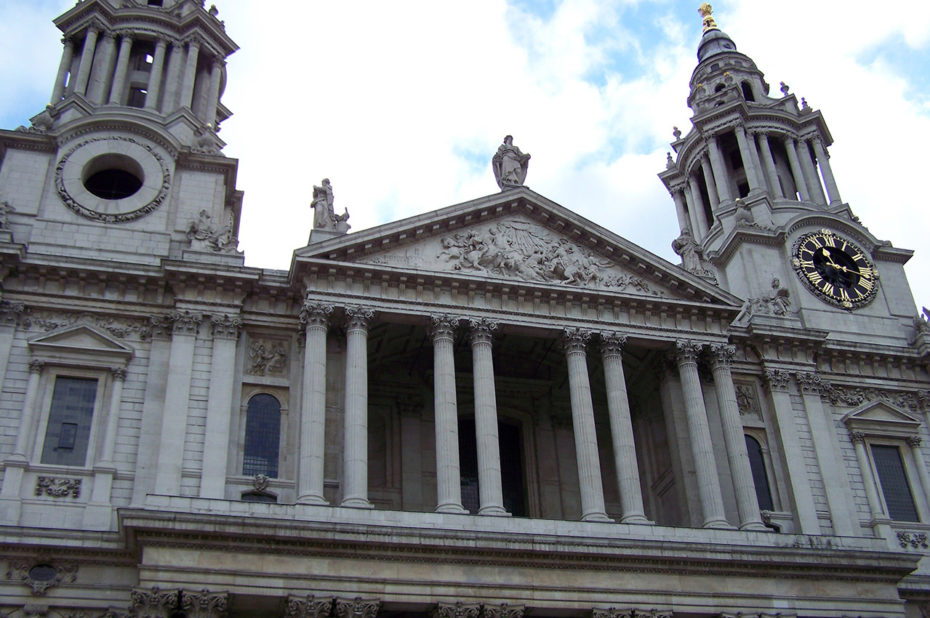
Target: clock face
(835, 269)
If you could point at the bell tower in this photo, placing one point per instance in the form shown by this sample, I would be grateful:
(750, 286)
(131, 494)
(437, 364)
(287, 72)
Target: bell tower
(125, 162)
(760, 210)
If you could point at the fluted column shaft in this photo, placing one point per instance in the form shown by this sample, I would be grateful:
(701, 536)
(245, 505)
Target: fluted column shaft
(122, 70)
(810, 173)
(621, 430)
(219, 406)
(173, 81)
(355, 450)
(67, 56)
(824, 160)
(699, 432)
(768, 162)
(709, 181)
(752, 175)
(87, 60)
(213, 97)
(684, 222)
(589, 463)
(448, 473)
(102, 71)
(747, 503)
(312, 433)
(876, 508)
(699, 213)
(490, 489)
(154, 85)
(190, 73)
(719, 167)
(800, 181)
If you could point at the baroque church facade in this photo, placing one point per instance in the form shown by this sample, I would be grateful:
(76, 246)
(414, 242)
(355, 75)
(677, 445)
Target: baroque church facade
(498, 408)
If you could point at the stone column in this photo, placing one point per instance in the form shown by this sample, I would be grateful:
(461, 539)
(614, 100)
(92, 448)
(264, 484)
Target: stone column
(699, 432)
(190, 72)
(173, 81)
(177, 401)
(219, 406)
(98, 512)
(589, 462)
(102, 71)
(752, 175)
(709, 180)
(621, 430)
(876, 507)
(747, 503)
(154, 85)
(810, 173)
(315, 318)
(9, 315)
(87, 60)
(756, 160)
(355, 450)
(213, 97)
(719, 167)
(777, 382)
(913, 443)
(835, 479)
(27, 422)
(684, 222)
(122, 70)
(106, 457)
(159, 361)
(490, 489)
(824, 160)
(15, 464)
(67, 55)
(692, 214)
(448, 474)
(800, 182)
(699, 213)
(768, 162)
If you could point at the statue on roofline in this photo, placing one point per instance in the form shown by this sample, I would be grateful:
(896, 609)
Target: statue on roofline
(324, 216)
(510, 165)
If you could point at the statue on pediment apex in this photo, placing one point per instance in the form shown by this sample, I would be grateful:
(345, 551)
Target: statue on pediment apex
(510, 165)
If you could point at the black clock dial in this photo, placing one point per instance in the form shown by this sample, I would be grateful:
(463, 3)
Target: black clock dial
(835, 269)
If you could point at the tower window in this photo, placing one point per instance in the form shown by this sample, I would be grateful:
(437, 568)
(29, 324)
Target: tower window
(893, 481)
(137, 97)
(113, 177)
(759, 478)
(747, 91)
(156, 2)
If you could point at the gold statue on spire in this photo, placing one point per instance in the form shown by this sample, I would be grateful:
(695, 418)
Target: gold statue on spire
(706, 11)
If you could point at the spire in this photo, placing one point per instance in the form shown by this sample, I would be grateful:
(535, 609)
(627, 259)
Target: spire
(714, 41)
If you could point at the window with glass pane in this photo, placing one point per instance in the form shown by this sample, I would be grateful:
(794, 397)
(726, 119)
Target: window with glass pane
(69, 421)
(759, 477)
(262, 436)
(893, 479)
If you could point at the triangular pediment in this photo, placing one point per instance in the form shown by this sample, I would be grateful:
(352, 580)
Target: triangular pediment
(79, 340)
(517, 236)
(881, 418)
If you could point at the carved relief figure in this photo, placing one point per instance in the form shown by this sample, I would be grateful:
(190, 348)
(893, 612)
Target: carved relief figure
(267, 357)
(324, 215)
(510, 165)
(204, 236)
(777, 302)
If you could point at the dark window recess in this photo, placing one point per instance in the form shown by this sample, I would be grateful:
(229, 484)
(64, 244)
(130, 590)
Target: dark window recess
(736, 161)
(759, 478)
(137, 97)
(259, 496)
(893, 479)
(719, 87)
(113, 184)
(511, 451)
(69, 421)
(747, 91)
(743, 189)
(262, 436)
(156, 2)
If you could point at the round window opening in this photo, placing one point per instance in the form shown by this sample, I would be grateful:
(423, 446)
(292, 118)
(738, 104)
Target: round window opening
(113, 176)
(43, 572)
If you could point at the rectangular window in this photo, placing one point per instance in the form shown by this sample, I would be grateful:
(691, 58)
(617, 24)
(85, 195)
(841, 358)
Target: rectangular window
(137, 97)
(893, 479)
(67, 434)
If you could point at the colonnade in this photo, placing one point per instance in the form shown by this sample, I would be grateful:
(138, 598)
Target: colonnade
(491, 502)
(100, 70)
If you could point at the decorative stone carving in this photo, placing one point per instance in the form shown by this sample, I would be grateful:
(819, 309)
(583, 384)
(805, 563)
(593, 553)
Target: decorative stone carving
(225, 327)
(669, 162)
(517, 249)
(35, 366)
(442, 325)
(777, 379)
(456, 610)
(503, 611)
(358, 317)
(915, 540)
(308, 607)
(159, 326)
(510, 165)
(118, 327)
(921, 326)
(810, 382)
(154, 602)
(204, 604)
(612, 343)
(41, 574)
(118, 373)
(846, 395)
(10, 312)
(777, 302)
(58, 487)
(482, 329)
(203, 235)
(630, 613)
(575, 339)
(185, 322)
(687, 351)
(5, 209)
(315, 314)
(744, 215)
(856, 436)
(267, 357)
(913, 441)
(260, 482)
(357, 608)
(747, 399)
(723, 353)
(692, 257)
(324, 215)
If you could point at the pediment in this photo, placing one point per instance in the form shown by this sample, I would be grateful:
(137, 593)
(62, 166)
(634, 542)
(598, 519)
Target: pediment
(520, 237)
(881, 418)
(79, 341)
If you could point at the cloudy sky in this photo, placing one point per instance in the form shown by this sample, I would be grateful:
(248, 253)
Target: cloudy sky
(402, 104)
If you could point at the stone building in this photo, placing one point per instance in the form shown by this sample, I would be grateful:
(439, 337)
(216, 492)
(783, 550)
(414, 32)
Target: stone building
(497, 408)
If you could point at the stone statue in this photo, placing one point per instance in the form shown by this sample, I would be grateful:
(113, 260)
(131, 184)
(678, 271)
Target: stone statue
(324, 216)
(204, 236)
(690, 252)
(510, 165)
(777, 302)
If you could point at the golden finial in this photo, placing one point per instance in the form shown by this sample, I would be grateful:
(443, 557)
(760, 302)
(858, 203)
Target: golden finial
(706, 11)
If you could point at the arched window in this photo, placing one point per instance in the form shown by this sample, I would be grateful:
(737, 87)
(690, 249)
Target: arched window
(759, 476)
(262, 436)
(747, 91)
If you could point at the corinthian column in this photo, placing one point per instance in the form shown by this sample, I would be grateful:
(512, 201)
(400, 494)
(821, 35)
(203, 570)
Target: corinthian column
(122, 69)
(190, 73)
(490, 490)
(448, 474)
(589, 463)
(355, 450)
(747, 503)
(219, 406)
(87, 59)
(699, 432)
(315, 318)
(824, 160)
(67, 55)
(621, 430)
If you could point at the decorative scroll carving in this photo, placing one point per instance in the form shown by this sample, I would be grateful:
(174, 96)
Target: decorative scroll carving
(40, 575)
(308, 607)
(118, 373)
(575, 339)
(358, 317)
(203, 235)
(159, 327)
(777, 302)
(315, 314)
(58, 487)
(777, 379)
(357, 608)
(267, 357)
(35, 366)
(456, 610)
(482, 329)
(517, 249)
(723, 353)
(503, 611)
(856, 436)
(225, 327)
(916, 540)
(841, 394)
(48, 321)
(810, 382)
(687, 351)
(185, 322)
(204, 604)
(612, 343)
(630, 613)
(154, 603)
(747, 400)
(442, 326)
(913, 441)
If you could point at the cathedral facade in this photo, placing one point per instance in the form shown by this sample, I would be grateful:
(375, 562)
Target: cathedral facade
(497, 408)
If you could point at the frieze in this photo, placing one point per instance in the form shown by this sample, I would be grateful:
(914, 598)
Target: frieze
(267, 357)
(47, 321)
(40, 575)
(914, 540)
(847, 395)
(357, 608)
(58, 487)
(308, 607)
(503, 611)
(456, 610)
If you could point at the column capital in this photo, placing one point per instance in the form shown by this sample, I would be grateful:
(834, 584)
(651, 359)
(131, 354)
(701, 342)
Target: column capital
(308, 607)
(315, 313)
(35, 366)
(776, 379)
(575, 339)
(810, 382)
(503, 611)
(723, 354)
(687, 351)
(442, 326)
(856, 436)
(204, 604)
(67, 41)
(913, 441)
(161, 42)
(357, 608)
(612, 343)
(357, 318)
(154, 601)
(184, 322)
(225, 327)
(194, 41)
(10, 312)
(118, 373)
(482, 329)
(456, 610)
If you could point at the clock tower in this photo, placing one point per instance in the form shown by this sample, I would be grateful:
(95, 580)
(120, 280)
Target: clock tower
(760, 210)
